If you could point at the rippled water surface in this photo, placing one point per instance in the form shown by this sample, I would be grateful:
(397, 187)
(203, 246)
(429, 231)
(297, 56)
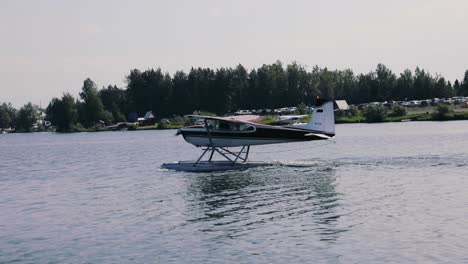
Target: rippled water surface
(395, 193)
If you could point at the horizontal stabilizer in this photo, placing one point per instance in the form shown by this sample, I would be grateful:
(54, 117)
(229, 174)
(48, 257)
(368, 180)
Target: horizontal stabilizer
(317, 135)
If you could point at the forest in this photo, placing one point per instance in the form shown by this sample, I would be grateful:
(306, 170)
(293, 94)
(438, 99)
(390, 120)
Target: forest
(225, 90)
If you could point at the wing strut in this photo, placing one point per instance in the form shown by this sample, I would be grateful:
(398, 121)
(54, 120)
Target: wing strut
(232, 156)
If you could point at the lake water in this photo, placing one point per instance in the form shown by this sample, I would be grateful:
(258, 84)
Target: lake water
(383, 193)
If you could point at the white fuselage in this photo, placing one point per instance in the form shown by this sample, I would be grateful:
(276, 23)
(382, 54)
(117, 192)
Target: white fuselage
(231, 142)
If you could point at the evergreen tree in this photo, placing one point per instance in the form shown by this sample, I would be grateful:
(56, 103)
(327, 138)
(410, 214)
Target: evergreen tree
(423, 85)
(279, 85)
(238, 86)
(92, 109)
(226, 90)
(464, 85)
(7, 115)
(181, 97)
(27, 116)
(404, 86)
(327, 84)
(114, 101)
(385, 83)
(221, 93)
(297, 84)
(457, 87)
(366, 84)
(138, 94)
(63, 113)
(441, 89)
(5, 118)
(346, 86)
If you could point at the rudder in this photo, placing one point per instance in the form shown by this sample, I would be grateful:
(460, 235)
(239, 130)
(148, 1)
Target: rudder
(323, 118)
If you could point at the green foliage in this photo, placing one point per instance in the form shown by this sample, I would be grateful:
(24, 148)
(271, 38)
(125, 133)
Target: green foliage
(98, 127)
(149, 90)
(442, 112)
(114, 101)
(386, 82)
(269, 120)
(26, 118)
(339, 113)
(305, 119)
(7, 115)
(460, 115)
(375, 114)
(463, 88)
(302, 109)
(178, 121)
(163, 124)
(107, 117)
(354, 111)
(203, 113)
(223, 90)
(150, 127)
(5, 119)
(174, 122)
(63, 113)
(398, 110)
(349, 119)
(272, 86)
(91, 110)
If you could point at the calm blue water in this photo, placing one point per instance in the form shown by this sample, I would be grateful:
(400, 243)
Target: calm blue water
(383, 193)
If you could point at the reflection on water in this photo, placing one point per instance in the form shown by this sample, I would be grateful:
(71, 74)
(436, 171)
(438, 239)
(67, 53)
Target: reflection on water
(383, 193)
(235, 201)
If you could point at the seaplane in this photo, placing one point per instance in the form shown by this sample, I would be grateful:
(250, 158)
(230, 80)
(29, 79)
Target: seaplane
(222, 135)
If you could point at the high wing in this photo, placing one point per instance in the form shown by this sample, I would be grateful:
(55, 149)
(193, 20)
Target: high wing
(235, 119)
(220, 134)
(201, 117)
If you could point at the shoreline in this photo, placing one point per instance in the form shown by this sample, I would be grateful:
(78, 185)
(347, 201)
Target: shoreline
(454, 116)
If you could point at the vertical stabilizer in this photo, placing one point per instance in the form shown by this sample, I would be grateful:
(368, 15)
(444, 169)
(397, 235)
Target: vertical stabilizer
(323, 119)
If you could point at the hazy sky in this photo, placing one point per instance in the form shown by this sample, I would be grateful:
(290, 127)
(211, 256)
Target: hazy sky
(49, 47)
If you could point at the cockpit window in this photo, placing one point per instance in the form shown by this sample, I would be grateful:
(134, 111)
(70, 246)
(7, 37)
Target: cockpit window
(246, 128)
(222, 126)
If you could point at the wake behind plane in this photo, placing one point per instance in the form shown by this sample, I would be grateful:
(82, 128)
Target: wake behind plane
(221, 134)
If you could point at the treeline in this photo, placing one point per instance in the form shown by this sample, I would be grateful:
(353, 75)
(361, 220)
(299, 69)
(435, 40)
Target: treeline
(226, 90)
(92, 108)
(22, 120)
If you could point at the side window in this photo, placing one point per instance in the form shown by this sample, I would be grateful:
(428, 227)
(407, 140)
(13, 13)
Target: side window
(221, 126)
(224, 126)
(246, 128)
(212, 124)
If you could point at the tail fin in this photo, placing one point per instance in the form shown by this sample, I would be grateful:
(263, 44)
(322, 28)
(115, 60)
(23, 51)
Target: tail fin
(323, 119)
